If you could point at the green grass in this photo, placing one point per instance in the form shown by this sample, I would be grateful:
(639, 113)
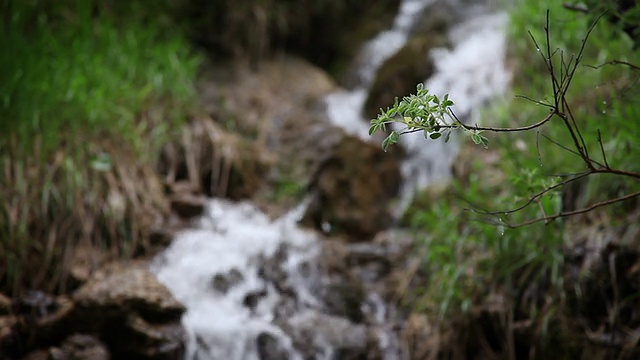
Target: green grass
(89, 77)
(90, 92)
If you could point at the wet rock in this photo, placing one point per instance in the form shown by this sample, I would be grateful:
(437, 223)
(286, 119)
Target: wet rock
(343, 298)
(269, 347)
(312, 331)
(187, 205)
(142, 339)
(400, 74)
(438, 17)
(135, 315)
(252, 298)
(224, 282)
(36, 320)
(80, 347)
(5, 305)
(353, 189)
(86, 259)
(160, 237)
(121, 288)
(272, 271)
(8, 335)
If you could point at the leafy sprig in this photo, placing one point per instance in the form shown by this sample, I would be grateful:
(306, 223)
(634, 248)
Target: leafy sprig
(424, 112)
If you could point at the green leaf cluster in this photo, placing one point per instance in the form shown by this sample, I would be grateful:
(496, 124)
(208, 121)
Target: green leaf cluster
(422, 112)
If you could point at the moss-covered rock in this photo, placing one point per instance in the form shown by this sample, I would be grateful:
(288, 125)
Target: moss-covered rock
(399, 75)
(352, 189)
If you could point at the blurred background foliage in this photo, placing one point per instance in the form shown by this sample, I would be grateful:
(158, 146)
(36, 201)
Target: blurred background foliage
(90, 92)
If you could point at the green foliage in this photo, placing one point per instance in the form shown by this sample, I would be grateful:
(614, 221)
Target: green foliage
(470, 256)
(602, 97)
(471, 252)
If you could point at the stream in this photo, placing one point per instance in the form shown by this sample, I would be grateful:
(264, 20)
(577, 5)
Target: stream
(251, 284)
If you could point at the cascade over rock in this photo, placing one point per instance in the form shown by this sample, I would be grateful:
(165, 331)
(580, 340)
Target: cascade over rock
(398, 76)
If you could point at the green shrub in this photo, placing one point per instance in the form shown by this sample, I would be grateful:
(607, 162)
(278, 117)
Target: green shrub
(471, 254)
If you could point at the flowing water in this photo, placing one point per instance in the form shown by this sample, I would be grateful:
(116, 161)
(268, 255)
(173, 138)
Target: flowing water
(239, 306)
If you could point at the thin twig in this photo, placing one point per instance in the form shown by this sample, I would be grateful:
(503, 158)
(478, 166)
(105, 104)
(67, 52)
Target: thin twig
(565, 148)
(534, 197)
(548, 219)
(615, 62)
(537, 102)
(514, 129)
(486, 128)
(604, 155)
(585, 150)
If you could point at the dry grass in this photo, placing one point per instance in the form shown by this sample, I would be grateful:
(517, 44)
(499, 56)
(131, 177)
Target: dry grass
(215, 162)
(51, 208)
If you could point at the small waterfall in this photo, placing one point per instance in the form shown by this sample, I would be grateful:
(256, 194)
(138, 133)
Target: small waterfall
(249, 282)
(472, 72)
(344, 107)
(217, 272)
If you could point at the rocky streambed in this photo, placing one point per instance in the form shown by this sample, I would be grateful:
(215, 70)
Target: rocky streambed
(281, 241)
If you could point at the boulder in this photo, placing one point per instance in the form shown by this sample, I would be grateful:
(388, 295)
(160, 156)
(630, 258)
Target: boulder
(36, 320)
(132, 312)
(313, 331)
(80, 347)
(353, 189)
(400, 74)
(187, 205)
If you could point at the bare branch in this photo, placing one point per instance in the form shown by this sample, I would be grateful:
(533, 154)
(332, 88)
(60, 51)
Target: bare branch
(631, 174)
(538, 102)
(604, 155)
(615, 62)
(487, 128)
(550, 67)
(560, 145)
(548, 219)
(513, 129)
(535, 197)
(583, 150)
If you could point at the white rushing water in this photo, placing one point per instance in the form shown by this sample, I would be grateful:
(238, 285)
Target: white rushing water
(344, 107)
(215, 268)
(234, 239)
(472, 73)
